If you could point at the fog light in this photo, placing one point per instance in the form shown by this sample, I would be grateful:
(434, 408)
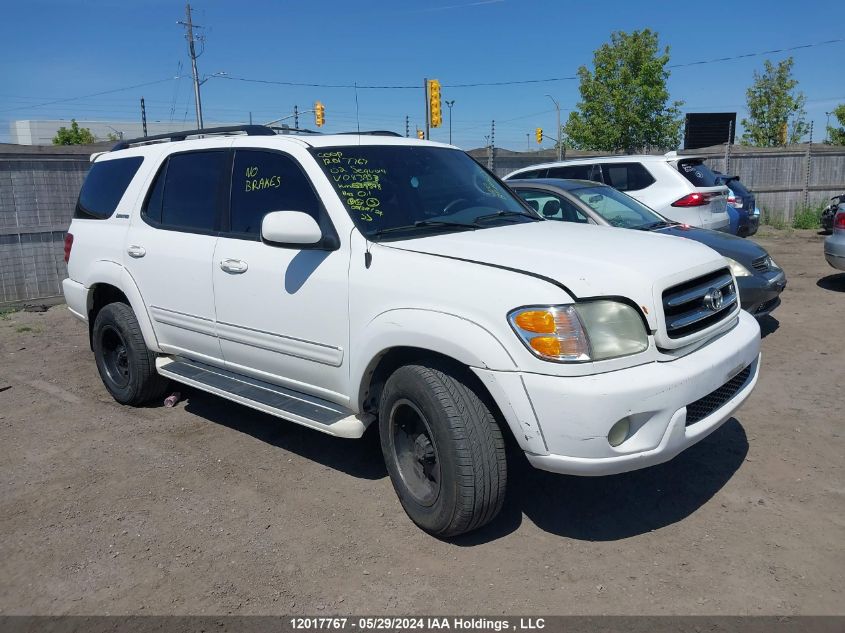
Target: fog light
(619, 432)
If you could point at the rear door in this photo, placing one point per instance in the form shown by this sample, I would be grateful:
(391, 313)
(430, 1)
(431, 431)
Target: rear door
(169, 250)
(711, 203)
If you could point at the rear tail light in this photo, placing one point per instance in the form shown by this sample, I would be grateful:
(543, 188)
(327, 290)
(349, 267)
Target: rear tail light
(68, 246)
(839, 220)
(693, 200)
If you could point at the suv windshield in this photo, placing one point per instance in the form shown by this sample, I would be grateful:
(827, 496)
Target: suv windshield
(619, 209)
(401, 191)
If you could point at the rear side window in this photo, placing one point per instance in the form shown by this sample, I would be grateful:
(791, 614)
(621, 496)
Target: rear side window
(188, 190)
(699, 174)
(576, 172)
(104, 186)
(267, 181)
(627, 176)
(534, 173)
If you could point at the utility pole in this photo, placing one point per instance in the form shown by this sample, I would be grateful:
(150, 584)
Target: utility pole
(143, 117)
(189, 35)
(491, 149)
(557, 135)
(427, 115)
(728, 148)
(827, 128)
(407, 126)
(296, 117)
(450, 104)
(809, 165)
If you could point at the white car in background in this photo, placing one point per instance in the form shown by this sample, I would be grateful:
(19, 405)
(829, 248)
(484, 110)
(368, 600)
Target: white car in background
(682, 188)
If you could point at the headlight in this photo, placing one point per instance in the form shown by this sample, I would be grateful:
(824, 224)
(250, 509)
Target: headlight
(773, 265)
(593, 330)
(738, 269)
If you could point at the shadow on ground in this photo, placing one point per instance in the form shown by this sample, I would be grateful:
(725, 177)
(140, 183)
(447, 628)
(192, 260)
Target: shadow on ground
(768, 325)
(835, 282)
(584, 508)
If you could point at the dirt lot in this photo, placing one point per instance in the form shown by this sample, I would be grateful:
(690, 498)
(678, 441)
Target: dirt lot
(214, 508)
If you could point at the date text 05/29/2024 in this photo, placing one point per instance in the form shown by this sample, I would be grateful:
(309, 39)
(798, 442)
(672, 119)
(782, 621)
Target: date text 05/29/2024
(416, 623)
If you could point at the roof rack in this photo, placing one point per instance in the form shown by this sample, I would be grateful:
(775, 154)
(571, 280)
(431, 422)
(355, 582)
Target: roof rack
(373, 133)
(249, 130)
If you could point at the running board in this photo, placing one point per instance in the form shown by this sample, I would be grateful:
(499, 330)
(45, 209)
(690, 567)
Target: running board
(310, 411)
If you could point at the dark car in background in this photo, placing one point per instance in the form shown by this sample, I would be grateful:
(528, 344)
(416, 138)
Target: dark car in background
(742, 206)
(760, 280)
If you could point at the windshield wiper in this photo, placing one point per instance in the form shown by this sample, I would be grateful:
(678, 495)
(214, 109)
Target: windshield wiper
(656, 225)
(424, 224)
(504, 214)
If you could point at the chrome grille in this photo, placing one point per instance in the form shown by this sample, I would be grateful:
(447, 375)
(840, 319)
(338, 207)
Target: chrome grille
(762, 264)
(701, 408)
(694, 305)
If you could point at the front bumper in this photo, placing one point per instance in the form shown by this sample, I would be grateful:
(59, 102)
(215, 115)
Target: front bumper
(575, 414)
(760, 293)
(834, 250)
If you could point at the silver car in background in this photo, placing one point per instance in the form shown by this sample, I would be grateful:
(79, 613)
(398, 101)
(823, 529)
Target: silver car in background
(834, 246)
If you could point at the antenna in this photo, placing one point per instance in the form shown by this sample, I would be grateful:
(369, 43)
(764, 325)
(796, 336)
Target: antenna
(357, 119)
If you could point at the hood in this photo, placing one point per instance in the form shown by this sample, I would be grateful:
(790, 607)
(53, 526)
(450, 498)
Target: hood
(590, 261)
(741, 249)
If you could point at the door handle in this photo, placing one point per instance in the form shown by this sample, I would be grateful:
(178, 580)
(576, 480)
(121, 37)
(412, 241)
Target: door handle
(233, 266)
(136, 251)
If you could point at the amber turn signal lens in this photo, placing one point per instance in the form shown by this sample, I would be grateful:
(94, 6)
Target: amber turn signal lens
(546, 345)
(540, 321)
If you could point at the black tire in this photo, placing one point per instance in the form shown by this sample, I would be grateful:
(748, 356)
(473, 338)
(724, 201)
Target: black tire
(127, 368)
(443, 449)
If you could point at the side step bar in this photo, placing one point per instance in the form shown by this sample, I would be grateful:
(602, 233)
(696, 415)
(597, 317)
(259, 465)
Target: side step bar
(310, 411)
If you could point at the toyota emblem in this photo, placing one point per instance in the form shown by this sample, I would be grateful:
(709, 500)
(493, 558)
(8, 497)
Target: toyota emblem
(713, 299)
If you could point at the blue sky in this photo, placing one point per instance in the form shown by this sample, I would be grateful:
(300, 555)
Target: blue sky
(60, 50)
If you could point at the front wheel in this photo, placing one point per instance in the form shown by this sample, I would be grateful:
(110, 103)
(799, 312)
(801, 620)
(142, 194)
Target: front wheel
(444, 451)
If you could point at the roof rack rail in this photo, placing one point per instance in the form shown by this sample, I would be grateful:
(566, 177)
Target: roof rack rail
(373, 133)
(284, 129)
(250, 130)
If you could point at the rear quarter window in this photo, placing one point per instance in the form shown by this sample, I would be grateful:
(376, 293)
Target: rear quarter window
(104, 186)
(627, 176)
(699, 174)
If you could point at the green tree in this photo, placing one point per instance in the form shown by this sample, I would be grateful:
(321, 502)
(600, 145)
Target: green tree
(776, 113)
(624, 102)
(74, 136)
(837, 134)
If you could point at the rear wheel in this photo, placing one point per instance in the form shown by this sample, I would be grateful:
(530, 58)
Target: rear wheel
(443, 448)
(126, 366)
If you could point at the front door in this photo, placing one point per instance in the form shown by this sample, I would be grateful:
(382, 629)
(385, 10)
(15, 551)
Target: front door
(169, 251)
(282, 313)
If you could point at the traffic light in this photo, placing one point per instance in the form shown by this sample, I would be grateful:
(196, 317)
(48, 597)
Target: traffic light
(435, 116)
(420, 134)
(539, 135)
(319, 114)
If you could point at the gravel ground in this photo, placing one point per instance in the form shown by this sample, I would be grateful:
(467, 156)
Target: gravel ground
(213, 508)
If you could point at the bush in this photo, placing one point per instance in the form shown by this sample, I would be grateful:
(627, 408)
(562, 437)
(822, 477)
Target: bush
(808, 217)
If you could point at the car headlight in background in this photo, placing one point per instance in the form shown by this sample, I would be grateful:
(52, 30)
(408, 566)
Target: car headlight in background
(592, 330)
(738, 269)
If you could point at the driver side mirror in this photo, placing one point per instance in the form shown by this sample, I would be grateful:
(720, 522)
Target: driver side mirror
(295, 229)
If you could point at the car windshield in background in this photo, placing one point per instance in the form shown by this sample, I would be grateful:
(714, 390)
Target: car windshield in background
(619, 209)
(698, 173)
(401, 191)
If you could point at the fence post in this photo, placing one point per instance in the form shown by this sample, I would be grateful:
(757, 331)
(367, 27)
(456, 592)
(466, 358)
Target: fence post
(807, 171)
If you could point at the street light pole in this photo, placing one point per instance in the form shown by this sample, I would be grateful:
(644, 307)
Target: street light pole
(450, 104)
(557, 135)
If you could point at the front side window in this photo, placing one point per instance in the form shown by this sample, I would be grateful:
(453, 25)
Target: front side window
(104, 186)
(267, 181)
(187, 191)
(553, 207)
(619, 209)
(403, 191)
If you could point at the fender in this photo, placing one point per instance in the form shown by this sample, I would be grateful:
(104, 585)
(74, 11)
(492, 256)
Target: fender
(456, 337)
(105, 271)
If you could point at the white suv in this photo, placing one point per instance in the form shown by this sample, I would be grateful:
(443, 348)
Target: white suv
(342, 280)
(682, 188)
